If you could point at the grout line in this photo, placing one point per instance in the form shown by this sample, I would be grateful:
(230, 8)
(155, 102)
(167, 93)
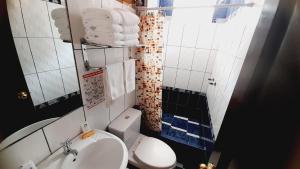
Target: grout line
(31, 52)
(179, 129)
(46, 141)
(49, 70)
(179, 56)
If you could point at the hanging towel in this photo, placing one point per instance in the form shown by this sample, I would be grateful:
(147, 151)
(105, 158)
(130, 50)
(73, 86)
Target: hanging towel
(129, 18)
(129, 70)
(105, 39)
(131, 29)
(115, 81)
(134, 36)
(102, 15)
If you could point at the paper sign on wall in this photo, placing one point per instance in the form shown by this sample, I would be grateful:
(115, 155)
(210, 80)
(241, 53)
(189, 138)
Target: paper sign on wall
(93, 84)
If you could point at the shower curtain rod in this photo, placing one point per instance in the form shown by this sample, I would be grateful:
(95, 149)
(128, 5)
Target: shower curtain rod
(251, 4)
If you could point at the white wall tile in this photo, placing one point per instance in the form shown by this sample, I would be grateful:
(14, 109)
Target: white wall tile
(66, 127)
(96, 57)
(114, 55)
(205, 82)
(33, 147)
(211, 61)
(196, 80)
(169, 77)
(182, 79)
(206, 36)
(69, 76)
(34, 89)
(52, 84)
(175, 33)
(24, 55)
(44, 54)
(36, 18)
(129, 99)
(186, 58)
(98, 116)
(116, 107)
(200, 60)
(15, 18)
(190, 35)
(64, 53)
(172, 56)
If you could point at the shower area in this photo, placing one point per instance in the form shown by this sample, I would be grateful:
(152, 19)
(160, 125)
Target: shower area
(205, 44)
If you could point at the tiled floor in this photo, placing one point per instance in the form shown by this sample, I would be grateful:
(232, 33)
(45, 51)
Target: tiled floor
(185, 131)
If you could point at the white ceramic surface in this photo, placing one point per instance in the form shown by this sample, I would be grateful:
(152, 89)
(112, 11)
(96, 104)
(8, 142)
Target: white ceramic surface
(100, 151)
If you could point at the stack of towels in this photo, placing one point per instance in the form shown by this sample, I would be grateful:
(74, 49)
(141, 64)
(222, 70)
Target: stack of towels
(113, 27)
(62, 23)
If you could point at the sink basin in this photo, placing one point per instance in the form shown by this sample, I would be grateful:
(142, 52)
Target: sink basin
(101, 151)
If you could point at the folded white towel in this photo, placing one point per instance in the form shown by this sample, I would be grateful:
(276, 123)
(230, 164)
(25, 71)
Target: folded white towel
(131, 29)
(131, 36)
(103, 28)
(59, 13)
(61, 23)
(129, 71)
(129, 18)
(131, 42)
(100, 14)
(108, 36)
(115, 81)
(102, 41)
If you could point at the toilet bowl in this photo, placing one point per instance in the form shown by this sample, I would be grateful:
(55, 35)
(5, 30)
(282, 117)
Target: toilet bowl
(143, 152)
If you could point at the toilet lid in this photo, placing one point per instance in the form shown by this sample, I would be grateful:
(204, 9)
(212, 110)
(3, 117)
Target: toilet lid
(155, 153)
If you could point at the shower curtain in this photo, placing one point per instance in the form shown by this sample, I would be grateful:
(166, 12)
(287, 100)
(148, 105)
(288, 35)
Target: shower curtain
(149, 68)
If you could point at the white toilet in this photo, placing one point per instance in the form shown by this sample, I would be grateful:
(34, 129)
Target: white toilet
(143, 152)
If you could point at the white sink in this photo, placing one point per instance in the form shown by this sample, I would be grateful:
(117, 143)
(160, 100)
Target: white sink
(101, 151)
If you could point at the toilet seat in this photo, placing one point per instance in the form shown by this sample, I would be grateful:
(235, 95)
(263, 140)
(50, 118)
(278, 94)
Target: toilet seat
(154, 153)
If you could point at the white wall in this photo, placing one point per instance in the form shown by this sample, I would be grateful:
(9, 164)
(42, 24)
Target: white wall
(45, 141)
(235, 40)
(190, 46)
(45, 59)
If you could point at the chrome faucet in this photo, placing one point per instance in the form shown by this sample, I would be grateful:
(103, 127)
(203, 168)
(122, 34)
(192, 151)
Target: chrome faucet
(68, 149)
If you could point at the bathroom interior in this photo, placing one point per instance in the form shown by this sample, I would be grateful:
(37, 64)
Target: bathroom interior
(160, 95)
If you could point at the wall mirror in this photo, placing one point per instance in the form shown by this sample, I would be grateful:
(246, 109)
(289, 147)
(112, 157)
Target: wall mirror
(42, 41)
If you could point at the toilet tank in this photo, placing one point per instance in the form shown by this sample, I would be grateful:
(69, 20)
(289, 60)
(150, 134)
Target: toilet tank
(127, 126)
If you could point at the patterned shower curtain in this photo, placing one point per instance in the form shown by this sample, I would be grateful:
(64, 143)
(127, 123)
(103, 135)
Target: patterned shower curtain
(149, 69)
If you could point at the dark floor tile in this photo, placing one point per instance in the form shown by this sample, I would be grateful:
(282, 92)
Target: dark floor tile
(173, 97)
(205, 119)
(183, 98)
(180, 123)
(193, 100)
(164, 107)
(165, 95)
(182, 111)
(195, 114)
(171, 109)
(178, 136)
(167, 117)
(196, 142)
(207, 133)
(193, 129)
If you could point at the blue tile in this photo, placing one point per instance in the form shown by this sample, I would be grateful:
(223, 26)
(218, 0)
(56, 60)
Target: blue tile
(207, 133)
(196, 142)
(166, 117)
(180, 123)
(178, 136)
(194, 129)
(165, 129)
